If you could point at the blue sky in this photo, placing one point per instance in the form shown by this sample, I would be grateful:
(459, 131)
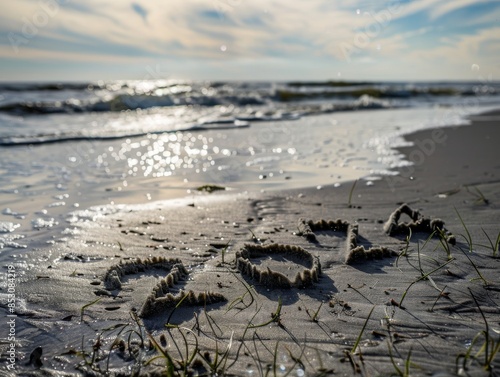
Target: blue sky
(250, 40)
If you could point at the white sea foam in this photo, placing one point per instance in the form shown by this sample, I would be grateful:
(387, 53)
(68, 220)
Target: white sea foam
(40, 223)
(9, 241)
(8, 227)
(57, 204)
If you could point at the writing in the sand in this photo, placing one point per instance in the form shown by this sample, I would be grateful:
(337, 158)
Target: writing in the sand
(11, 317)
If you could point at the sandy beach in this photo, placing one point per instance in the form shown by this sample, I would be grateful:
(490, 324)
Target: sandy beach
(301, 282)
(250, 188)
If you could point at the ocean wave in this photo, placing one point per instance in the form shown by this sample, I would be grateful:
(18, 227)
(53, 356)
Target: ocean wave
(123, 96)
(37, 113)
(112, 134)
(124, 102)
(27, 87)
(286, 95)
(117, 125)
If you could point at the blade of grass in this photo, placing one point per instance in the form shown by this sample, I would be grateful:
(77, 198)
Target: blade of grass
(469, 238)
(494, 247)
(314, 318)
(354, 365)
(467, 355)
(362, 330)
(275, 359)
(170, 362)
(480, 198)
(407, 364)
(486, 331)
(168, 324)
(475, 267)
(296, 360)
(82, 310)
(189, 359)
(422, 278)
(437, 299)
(242, 341)
(213, 324)
(115, 342)
(274, 318)
(394, 364)
(257, 359)
(225, 355)
(494, 352)
(224, 251)
(241, 298)
(405, 251)
(351, 192)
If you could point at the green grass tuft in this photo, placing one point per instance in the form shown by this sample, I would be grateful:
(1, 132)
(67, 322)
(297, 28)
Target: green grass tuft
(349, 201)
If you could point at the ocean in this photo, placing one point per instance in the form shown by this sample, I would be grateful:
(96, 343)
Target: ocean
(65, 147)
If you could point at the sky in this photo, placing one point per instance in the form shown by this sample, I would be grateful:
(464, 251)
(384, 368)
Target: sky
(408, 40)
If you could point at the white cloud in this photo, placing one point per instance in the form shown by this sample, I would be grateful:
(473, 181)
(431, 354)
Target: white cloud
(181, 23)
(462, 53)
(53, 55)
(442, 8)
(466, 48)
(107, 30)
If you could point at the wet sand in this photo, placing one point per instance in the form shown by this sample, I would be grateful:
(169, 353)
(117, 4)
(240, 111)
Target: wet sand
(299, 282)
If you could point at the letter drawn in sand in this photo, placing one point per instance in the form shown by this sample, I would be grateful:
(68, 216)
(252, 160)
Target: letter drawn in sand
(261, 263)
(418, 223)
(354, 253)
(161, 297)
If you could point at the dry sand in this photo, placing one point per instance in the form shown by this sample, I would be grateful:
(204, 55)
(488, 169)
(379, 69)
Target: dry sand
(255, 285)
